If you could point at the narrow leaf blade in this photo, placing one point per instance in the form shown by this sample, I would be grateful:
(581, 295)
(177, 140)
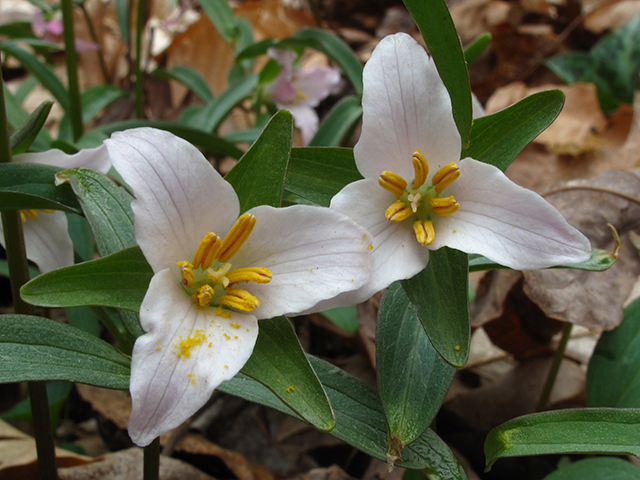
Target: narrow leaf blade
(338, 123)
(24, 137)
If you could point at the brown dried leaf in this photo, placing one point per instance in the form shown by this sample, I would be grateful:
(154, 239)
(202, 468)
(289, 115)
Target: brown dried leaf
(607, 15)
(332, 473)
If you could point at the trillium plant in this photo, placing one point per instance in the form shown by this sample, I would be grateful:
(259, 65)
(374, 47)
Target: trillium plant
(195, 280)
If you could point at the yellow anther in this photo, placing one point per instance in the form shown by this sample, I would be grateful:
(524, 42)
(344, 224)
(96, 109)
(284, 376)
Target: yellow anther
(398, 211)
(251, 274)
(421, 167)
(236, 237)
(47, 210)
(392, 183)
(221, 313)
(240, 300)
(444, 206)
(445, 177)
(186, 272)
(424, 232)
(203, 295)
(28, 213)
(207, 251)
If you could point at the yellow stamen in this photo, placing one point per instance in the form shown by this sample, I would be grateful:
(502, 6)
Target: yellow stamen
(203, 295)
(47, 210)
(28, 213)
(207, 251)
(424, 232)
(240, 300)
(251, 274)
(186, 272)
(421, 167)
(392, 183)
(444, 206)
(398, 211)
(236, 237)
(445, 177)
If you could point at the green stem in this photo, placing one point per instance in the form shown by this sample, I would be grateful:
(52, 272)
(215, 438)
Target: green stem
(75, 103)
(19, 275)
(555, 367)
(96, 40)
(151, 468)
(138, 64)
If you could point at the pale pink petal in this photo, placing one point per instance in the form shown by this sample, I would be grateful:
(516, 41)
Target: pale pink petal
(38, 24)
(93, 158)
(305, 118)
(406, 107)
(285, 59)
(85, 46)
(179, 195)
(506, 223)
(282, 90)
(316, 84)
(55, 26)
(169, 383)
(314, 253)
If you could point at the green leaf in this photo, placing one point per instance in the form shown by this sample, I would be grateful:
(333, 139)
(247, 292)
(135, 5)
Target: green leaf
(218, 110)
(600, 261)
(206, 141)
(57, 393)
(123, 17)
(440, 294)
(22, 138)
(344, 317)
(84, 319)
(318, 173)
(359, 420)
(588, 430)
(106, 207)
(119, 280)
(190, 78)
(29, 185)
(477, 47)
(612, 378)
(35, 348)
(338, 123)
(248, 135)
(44, 74)
(412, 378)
(439, 32)
(338, 51)
(280, 364)
(221, 15)
(598, 468)
(4, 270)
(98, 97)
(256, 49)
(81, 236)
(259, 177)
(497, 139)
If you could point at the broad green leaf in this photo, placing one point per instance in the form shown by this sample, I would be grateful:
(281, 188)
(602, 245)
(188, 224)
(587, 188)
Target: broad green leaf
(477, 47)
(206, 141)
(440, 294)
(119, 280)
(221, 15)
(608, 468)
(587, 430)
(35, 348)
(338, 51)
(31, 186)
(413, 379)
(22, 138)
(259, 177)
(600, 261)
(497, 139)
(279, 363)
(318, 173)
(338, 123)
(44, 74)
(218, 110)
(439, 32)
(612, 378)
(190, 78)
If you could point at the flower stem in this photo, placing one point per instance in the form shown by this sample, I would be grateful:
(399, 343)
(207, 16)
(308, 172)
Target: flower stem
(19, 275)
(75, 104)
(555, 367)
(151, 469)
(138, 61)
(96, 40)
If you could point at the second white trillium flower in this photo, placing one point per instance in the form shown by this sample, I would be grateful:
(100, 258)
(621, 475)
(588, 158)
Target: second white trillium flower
(417, 195)
(216, 274)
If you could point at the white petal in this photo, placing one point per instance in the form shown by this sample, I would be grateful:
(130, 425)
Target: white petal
(316, 84)
(47, 240)
(405, 107)
(477, 108)
(506, 223)
(167, 387)
(313, 253)
(305, 118)
(94, 158)
(396, 254)
(179, 195)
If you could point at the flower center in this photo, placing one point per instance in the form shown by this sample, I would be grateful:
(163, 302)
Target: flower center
(209, 278)
(421, 200)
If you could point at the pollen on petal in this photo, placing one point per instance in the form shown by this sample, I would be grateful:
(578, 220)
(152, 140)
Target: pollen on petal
(192, 341)
(240, 300)
(445, 177)
(251, 274)
(425, 234)
(236, 237)
(398, 211)
(444, 206)
(421, 168)
(221, 313)
(393, 183)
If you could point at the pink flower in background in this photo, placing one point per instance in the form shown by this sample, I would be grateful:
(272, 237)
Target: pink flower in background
(300, 91)
(51, 30)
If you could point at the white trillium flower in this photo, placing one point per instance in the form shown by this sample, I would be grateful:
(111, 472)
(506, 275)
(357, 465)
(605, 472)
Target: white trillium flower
(417, 195)
(46, 236)
(300, 91)
(216, 274)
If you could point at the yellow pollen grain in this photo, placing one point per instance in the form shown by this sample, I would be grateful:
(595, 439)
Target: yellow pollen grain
(158, 347)
(370, 247)
(187, 345)
(291, 389)
(236, 337)
(226, 366)
(227, 336)
(210, 344)
(457, 348)
(234, 325)
(278, 380)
